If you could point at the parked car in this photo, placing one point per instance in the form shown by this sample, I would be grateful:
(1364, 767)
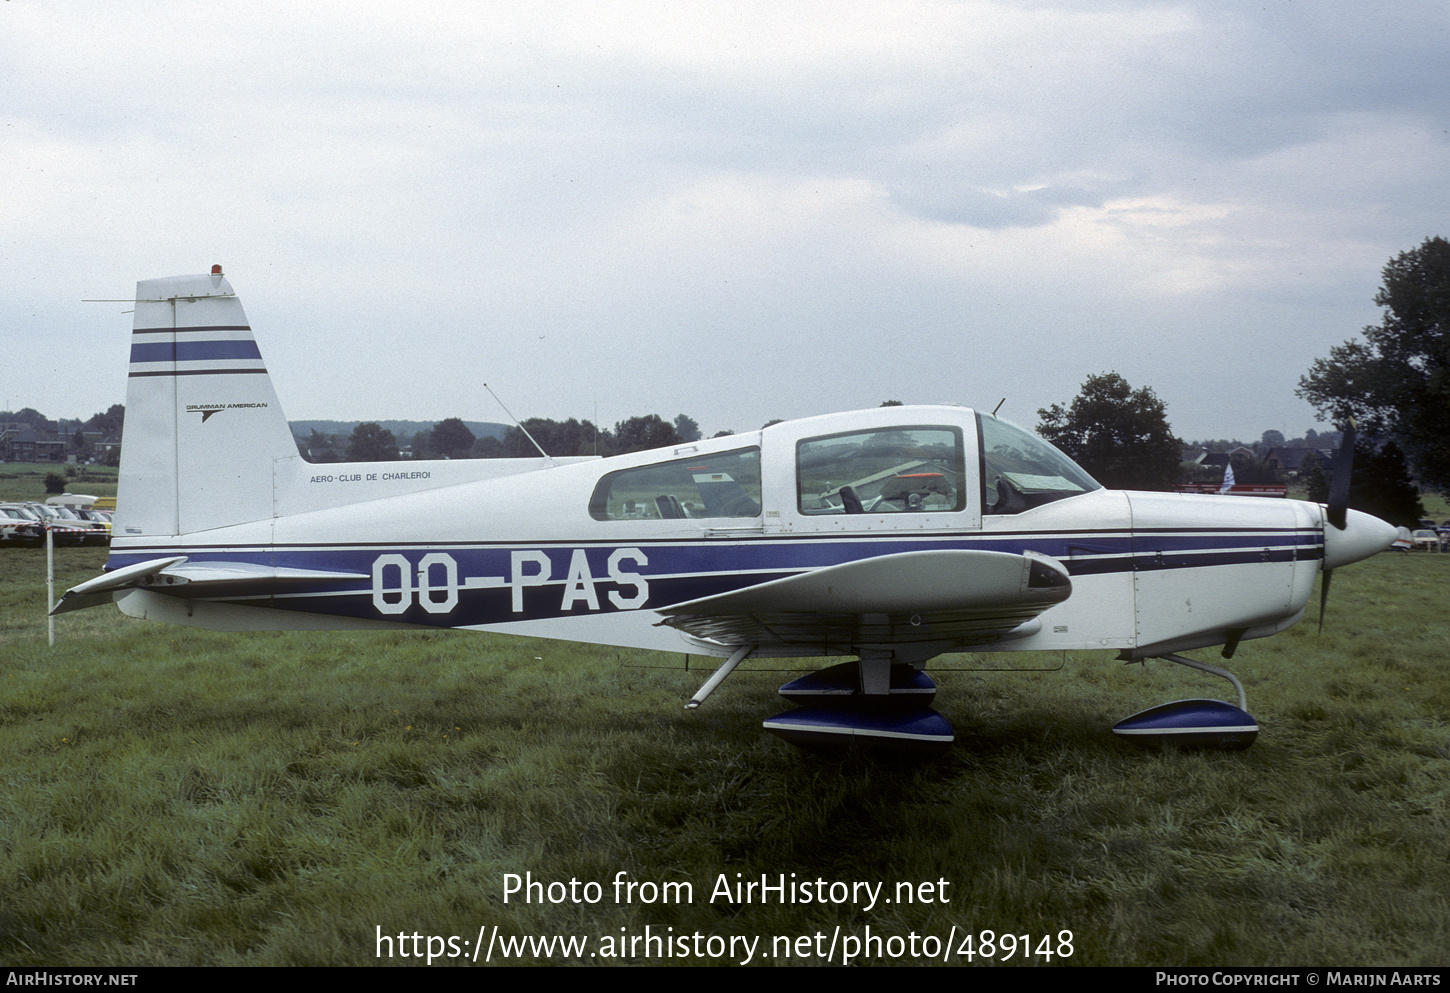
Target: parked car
(19, 528)
(1427, 539)
(67, 528)
(97, 532)
(96, 517)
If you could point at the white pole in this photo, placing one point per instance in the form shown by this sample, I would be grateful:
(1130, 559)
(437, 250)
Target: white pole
(50, 582)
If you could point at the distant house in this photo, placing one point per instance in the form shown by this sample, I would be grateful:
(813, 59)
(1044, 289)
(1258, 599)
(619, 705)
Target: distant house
(9, 431)
(29, 445)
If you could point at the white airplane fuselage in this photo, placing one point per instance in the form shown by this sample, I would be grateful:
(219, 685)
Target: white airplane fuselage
(221, 524)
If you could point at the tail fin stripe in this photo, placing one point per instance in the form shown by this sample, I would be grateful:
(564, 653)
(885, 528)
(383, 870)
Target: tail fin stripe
(196, 372)
(209, 327)
(194, 351)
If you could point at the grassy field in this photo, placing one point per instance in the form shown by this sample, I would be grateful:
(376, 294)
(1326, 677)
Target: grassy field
(26, 480)
(181, 797)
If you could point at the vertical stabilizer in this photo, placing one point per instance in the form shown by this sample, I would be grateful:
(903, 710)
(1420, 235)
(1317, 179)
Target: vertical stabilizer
(204, 432)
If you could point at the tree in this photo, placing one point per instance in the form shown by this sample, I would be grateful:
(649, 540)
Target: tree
(558, 438)
(1396, 383)
(1316, 480)
(109, 422)
(33, 417)
(1118, 434)
(319, 447)
(687, 428)
(450, 438)
(489, 447)
(1380, 484)
(639, 434)
(372, 443)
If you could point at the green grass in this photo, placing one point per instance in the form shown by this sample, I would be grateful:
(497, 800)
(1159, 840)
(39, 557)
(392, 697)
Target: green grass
(173, 796)
(21, 481)
(1437, 507)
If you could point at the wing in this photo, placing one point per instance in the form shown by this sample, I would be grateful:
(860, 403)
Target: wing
(962, 597)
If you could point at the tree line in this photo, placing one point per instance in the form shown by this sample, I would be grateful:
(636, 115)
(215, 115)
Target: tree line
(452, 439)
(71, 431)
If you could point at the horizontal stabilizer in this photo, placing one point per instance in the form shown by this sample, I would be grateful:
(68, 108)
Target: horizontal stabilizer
(94, 592)
(178, 570)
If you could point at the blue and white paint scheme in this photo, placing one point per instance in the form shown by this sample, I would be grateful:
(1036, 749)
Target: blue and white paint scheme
(890, 535)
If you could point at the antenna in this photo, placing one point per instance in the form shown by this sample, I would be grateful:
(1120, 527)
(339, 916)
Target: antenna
(519, 425)
(999, 406)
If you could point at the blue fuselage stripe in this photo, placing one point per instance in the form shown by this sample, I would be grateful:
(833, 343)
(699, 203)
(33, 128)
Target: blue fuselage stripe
(607, 577)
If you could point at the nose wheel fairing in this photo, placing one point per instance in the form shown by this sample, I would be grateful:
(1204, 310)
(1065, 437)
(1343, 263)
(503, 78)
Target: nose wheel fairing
(1195, 723)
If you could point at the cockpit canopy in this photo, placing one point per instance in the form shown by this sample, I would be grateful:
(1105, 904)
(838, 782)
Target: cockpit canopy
(913, 468)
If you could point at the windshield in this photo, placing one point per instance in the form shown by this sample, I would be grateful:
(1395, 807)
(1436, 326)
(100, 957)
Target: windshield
(1021, 471)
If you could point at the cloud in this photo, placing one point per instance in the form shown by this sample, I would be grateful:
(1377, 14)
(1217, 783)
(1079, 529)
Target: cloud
(733, 210)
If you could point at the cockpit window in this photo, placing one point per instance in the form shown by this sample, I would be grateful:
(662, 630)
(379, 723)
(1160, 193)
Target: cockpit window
(1021, 471)
(882, 471)
(726, 484)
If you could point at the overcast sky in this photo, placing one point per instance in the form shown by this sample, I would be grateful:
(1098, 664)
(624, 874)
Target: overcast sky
(737, 211)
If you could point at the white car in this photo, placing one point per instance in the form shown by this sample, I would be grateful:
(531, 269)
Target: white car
(17, 527)
(68, 528)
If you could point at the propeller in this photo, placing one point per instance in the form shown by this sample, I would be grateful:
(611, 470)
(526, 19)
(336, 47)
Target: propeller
(1338, 506)
(1339, 482)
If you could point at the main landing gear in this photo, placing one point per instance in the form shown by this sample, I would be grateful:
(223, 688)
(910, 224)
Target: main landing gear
(875, 702)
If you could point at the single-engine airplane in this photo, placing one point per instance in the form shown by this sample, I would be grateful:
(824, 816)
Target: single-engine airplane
(891, 535)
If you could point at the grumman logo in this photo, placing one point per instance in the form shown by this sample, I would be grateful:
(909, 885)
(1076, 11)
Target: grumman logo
(207, 409)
